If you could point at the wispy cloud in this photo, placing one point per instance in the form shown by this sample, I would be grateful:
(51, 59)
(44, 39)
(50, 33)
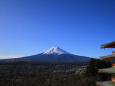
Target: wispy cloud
(9, 56)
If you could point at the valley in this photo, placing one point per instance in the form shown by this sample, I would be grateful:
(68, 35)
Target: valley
(26, 74)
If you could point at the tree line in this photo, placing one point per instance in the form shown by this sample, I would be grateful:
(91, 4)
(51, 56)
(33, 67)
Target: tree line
(24, 74)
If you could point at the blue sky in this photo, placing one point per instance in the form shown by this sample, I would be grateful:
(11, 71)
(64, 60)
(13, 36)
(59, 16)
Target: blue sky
(29, 27)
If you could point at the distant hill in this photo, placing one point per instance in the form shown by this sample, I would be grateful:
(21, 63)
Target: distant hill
(55, 54)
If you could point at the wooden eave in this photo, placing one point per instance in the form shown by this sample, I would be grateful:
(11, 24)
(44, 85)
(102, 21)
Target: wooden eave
(108, 45)
(111, 58)
(110, 70)
(105, 72)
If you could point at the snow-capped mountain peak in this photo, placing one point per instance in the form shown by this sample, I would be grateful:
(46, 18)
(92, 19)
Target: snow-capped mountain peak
(55, 50)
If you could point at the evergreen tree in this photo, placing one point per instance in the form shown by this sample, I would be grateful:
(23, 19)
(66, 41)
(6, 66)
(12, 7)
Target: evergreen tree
(91, 70)
(103, 64)
(94, 65)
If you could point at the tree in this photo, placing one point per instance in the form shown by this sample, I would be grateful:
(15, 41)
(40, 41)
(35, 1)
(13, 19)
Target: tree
(103, 64)
(91, 70)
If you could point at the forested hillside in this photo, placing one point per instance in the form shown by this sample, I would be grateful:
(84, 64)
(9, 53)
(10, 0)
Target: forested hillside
(25, 74)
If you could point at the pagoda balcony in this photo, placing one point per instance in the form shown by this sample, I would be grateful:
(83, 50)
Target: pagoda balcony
(110, 70)
(108, 57)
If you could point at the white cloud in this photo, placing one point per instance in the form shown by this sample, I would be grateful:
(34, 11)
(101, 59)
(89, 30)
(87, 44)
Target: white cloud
(9, 56)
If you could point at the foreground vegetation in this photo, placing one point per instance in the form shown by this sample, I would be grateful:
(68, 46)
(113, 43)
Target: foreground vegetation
(25, 74)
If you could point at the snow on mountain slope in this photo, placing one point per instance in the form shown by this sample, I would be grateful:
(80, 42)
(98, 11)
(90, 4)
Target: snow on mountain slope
(55, 50)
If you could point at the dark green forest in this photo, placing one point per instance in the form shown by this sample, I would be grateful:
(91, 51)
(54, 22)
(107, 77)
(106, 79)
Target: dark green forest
(26, 74)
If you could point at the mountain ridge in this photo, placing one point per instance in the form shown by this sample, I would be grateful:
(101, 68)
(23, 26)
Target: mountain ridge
(55, 54)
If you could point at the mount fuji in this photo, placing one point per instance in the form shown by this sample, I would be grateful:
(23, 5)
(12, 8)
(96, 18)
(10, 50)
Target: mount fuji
(55, 54)
(55, 50)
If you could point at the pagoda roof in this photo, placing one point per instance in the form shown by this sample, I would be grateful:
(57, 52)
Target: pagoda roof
(106, 83)
(108, 45)
(107, 70)
(110, 57)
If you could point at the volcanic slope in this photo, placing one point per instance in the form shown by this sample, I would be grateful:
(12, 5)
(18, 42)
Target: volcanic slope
(55, 54)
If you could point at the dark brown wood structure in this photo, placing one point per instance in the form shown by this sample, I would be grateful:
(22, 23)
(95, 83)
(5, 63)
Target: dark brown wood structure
(110, 70)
